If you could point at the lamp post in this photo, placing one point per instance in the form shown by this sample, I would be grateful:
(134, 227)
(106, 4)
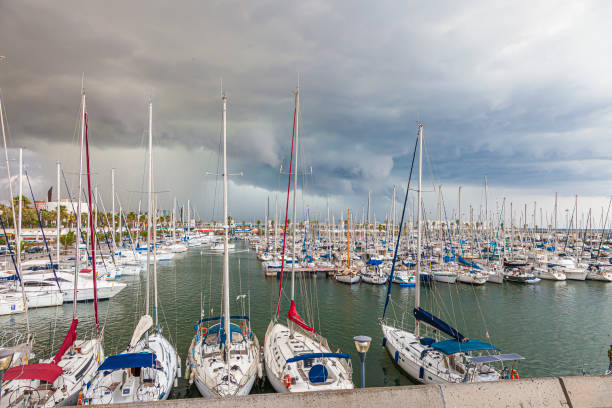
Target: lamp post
(362, 344)
(6, 356)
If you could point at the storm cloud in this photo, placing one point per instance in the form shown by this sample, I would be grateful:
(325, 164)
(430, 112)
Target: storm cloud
(517, 91)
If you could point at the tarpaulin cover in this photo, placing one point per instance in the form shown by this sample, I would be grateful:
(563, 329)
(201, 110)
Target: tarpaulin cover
(374, 262)
(432, 320)
(318, 355)
(128, 360)
(68, 341)
(454, 346)
(295, 317)
(43, 372)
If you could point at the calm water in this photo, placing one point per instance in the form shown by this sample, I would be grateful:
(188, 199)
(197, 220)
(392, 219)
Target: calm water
(557, 326)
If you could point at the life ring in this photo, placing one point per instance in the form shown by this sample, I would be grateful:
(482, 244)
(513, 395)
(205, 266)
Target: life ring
(514, 375)
(245, 329)
(80, 400)
(287, 380)
(204, 330)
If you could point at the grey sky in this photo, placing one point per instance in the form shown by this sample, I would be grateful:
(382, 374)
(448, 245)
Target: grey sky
(517, 91)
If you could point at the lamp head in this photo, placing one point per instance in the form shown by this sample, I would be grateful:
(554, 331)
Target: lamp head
(362, 343)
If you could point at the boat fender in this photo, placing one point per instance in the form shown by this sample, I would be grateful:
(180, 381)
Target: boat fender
(191, 378)
(384, 341)
(80, 400)
(287, 380)
(514, 375)
(396, 358)
(178, 371)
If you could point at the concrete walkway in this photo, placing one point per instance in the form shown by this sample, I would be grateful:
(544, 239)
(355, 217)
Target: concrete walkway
(567, 392)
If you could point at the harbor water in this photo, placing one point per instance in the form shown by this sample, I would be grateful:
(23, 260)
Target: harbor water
(560, 328)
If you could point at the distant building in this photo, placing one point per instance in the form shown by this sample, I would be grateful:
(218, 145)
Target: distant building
(71, 207)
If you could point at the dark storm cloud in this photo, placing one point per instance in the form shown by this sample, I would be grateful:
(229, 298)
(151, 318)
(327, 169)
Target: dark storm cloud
(517, 92)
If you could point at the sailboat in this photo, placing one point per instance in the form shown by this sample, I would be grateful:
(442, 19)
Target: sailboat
(349, 274)
(224, 354)
(296, 358)
(149, 367)
(59, 380)
(431, 360)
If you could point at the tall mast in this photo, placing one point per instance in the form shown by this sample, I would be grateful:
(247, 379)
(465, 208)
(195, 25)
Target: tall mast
(18, 244)
(459, 213)
(417, 295)
(155, 311)
(174, 221)
(295, 174)
(329, 244)
(348, 238)
(113, 235)
(189, 220)
(78, 214)
(58, 220)
(226, 300)
(150, 202)
(368, 222)
(275, 222)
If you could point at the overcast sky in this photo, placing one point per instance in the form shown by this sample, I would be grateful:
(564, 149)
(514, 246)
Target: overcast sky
(516, 91)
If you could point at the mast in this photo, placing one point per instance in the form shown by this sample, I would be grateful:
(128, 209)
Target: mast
(329, 244)
(226, 300)
(92, 228)
(417, 295)
(155, 261)
(59, 170)
(459, 214)
(189, 219)
(295, 174)
(18, 244)
(113, 235)
(368, 222)
(77, 257)
(150, 203)
(174, 221)
(348, 238)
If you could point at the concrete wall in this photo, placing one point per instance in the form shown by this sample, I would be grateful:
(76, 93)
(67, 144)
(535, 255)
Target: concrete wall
(570, 392)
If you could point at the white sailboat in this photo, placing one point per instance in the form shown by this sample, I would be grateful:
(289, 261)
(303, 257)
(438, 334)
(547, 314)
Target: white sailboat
(58, 381)
(431, 360)
(296, 358)
(224, 354)
(149, 367)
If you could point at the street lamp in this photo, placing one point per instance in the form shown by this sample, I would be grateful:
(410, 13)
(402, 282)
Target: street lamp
(362, 344)
(6, 356)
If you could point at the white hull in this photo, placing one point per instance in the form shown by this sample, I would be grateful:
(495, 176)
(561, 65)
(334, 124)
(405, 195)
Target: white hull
(472, 279)
(349, 279)
(495, 278)
(579, 274)
(444, 277)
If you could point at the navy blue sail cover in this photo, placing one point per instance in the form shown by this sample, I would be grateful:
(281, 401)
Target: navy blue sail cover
(433, 321)
(318, 355)
(128, 360)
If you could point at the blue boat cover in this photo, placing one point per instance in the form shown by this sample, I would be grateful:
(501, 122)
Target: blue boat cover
(454, 346)
(374, 262)
(318, 374)
(317, 355)
(128, 360)
(432, 320)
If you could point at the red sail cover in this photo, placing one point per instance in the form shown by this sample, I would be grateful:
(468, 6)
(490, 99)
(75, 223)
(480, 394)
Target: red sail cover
(68, 340)
(295, 317)
(44, 372)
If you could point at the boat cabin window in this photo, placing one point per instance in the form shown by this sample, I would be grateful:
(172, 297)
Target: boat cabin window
(135, 371)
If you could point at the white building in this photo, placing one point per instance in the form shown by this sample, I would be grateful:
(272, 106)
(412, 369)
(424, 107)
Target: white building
(71, 207)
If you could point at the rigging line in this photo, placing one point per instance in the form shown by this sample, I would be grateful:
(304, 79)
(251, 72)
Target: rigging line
(399, 234)
(42, 230)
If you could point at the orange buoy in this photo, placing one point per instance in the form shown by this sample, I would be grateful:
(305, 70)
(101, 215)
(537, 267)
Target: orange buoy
(514, 375)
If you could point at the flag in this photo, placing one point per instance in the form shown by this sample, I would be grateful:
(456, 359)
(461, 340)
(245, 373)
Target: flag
(487, 334)
(50, 193)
